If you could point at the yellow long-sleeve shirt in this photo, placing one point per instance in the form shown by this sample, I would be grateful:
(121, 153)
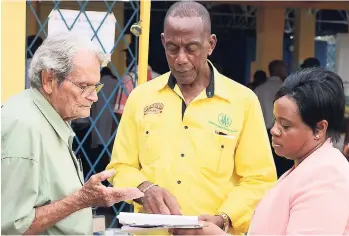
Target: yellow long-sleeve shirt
(212, 155)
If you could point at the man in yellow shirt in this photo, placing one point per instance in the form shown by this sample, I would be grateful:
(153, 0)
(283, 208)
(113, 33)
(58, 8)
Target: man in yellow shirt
(193, 140)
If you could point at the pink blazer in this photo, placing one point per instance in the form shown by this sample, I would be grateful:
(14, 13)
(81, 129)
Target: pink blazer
(312, 199)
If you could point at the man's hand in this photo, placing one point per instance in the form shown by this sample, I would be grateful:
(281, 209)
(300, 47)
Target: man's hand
(93, 193)
(208, 229)
(158, 200)
(217, 220)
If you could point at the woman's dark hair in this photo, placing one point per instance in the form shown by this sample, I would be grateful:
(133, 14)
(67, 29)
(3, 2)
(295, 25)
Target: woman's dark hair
(319, 95)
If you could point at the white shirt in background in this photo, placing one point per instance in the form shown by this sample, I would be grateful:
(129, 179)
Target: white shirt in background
(266, 94)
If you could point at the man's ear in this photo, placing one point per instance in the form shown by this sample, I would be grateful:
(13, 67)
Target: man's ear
(47, 81)
(163, 39)
(212, 44)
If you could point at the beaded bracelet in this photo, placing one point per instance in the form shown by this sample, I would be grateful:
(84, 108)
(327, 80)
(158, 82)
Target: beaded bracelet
(148, 187)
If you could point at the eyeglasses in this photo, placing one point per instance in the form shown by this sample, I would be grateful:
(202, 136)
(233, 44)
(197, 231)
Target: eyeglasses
(88, 90)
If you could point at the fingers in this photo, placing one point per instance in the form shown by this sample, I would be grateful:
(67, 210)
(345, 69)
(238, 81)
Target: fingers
(185, 231)
(160, 201)
(148, 206)
(204, 223)
(104, 175)
(154, 202)
(204, 218)
(152, 207)
(172, 204)
(123, 194)
(162, 208)
(208, 229)
(157, 205)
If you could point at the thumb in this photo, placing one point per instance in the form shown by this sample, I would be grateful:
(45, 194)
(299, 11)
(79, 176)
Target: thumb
(104, 175)
(204, 218)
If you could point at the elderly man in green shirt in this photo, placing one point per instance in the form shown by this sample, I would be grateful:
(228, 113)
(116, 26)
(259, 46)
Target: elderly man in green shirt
(42, 185)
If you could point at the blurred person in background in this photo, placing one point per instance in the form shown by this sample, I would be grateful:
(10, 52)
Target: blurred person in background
(310, 62)
(259, 77)
(266, 93)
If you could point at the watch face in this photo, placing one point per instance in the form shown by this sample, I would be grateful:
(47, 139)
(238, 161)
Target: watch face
(226, 221)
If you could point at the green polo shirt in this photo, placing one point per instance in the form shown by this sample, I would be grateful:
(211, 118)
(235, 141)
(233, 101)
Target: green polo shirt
(38, 165)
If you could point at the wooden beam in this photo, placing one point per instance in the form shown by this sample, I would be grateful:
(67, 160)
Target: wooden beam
(304, 34)
(269, 33)
(143, 49)
(328, 5)
(13, 36)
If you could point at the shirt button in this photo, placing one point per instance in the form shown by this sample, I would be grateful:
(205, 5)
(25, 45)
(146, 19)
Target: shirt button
(222, 146)
(182, 155)
(147, 132)
(185, 127)
(179, 182)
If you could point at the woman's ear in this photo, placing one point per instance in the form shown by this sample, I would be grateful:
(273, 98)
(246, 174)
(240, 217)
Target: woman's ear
(321, 129)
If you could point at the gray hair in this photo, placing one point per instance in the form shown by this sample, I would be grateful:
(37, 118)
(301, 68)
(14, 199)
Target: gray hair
(56, 55)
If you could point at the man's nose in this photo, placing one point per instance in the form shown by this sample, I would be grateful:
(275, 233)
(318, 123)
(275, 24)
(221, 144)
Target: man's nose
(181, 58)
(93, 96)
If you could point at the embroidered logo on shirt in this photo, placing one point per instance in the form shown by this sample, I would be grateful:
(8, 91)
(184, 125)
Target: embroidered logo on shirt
(224, 119)
(224, 122)
(154, 108)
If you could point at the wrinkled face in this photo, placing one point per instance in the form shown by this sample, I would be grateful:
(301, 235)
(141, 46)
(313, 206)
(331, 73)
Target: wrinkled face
(291, 137)
(187, 45)
(72, 99)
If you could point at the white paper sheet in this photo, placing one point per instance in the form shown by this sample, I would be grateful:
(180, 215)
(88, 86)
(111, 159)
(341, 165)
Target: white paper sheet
(134, 222)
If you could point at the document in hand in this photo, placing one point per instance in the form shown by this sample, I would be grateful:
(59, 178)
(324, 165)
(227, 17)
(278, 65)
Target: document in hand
(138, 221)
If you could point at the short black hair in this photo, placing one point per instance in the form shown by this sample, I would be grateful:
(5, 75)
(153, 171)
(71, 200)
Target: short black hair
(259, 77)
(310, 62)
(259, 74)
(106, 71)
(274, 67)
(190, 9)
(319, 95)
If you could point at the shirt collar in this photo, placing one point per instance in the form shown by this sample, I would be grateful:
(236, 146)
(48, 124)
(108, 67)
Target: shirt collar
(62, 127)
(215, 87)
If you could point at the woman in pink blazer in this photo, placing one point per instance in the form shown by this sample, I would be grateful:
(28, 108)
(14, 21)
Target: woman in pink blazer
(312, 198)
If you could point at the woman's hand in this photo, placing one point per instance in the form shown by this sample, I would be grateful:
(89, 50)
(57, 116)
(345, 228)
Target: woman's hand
(208, 229)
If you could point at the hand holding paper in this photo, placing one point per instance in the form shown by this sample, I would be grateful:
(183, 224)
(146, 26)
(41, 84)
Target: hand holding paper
(207, 229)
(158, 200)
(217, 220)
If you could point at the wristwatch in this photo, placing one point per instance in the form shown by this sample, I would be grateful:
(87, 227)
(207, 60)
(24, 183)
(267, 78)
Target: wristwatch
(226, 221)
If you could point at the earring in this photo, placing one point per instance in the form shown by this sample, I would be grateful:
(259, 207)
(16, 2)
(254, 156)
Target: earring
(317, 137)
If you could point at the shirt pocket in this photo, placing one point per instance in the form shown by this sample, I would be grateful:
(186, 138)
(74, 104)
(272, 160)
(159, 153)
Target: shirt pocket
(218, 160)
(152, 142)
